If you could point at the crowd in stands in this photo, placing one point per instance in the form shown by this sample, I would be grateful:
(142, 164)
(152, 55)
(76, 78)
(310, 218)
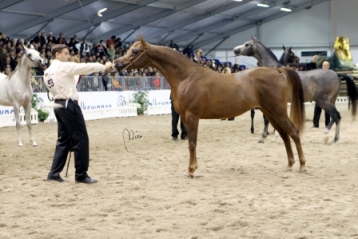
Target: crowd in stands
(147, 78)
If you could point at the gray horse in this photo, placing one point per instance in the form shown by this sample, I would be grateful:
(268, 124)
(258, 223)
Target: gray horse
(319, 85)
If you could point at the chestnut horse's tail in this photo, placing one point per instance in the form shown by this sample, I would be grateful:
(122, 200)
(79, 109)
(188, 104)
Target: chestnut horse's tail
(297, 114)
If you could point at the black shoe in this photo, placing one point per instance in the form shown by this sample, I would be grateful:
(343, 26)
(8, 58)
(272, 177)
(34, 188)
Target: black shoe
(314, 127)
(175, 138)
(87, 180)
(184, 138)
(55, 178)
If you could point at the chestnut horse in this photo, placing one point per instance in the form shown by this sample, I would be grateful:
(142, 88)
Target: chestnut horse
(201, 93)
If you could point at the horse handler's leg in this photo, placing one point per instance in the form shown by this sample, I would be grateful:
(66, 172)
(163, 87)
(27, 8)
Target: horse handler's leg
(191, 124)
(18, 125)
(28, 122)
(252, 120)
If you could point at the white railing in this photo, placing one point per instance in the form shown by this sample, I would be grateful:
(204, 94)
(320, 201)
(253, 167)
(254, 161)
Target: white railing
(9, 119)
(159, 110)
(125, 111)
(342, 100)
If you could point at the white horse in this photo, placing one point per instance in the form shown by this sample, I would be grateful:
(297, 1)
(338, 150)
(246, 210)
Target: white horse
(16, 90)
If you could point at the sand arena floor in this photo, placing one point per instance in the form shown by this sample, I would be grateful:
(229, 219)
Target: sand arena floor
(241, 189)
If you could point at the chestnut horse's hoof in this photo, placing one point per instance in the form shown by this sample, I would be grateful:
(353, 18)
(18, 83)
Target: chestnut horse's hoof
(191, 176)
(304, 171)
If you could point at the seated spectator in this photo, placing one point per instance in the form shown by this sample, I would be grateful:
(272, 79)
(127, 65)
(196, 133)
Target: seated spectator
(61, 39)
(50, 38)
(188, 51)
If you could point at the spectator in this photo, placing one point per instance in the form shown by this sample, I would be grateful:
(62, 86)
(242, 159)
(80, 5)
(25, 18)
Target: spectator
(101, 50)
(105, 80)
(61, 40)
(188, 51)
(111, 41)
(84, 48)
(40, 38)
(156, 81)
(119, 43)
(173, 45)
(51, 38)
(111, 52)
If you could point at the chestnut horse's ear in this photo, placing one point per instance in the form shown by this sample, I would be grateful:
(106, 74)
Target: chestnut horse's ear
(140, 38)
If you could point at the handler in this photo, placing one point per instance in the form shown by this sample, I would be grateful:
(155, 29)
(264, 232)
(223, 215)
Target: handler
(72, 133)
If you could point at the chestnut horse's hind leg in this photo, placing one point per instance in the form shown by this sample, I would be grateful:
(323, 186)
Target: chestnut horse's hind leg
(286, 128)
(191, 124)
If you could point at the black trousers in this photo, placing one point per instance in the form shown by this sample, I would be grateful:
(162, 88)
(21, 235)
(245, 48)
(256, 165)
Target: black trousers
(72, 135)
(105, 85)
(175, 119)
(317, 115)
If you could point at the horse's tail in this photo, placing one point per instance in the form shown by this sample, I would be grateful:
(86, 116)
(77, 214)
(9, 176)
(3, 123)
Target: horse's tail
(297, 114)
(352, 93)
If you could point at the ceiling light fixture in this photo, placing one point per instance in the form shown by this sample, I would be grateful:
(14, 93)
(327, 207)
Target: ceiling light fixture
(263, 4)
(237, 0)
(99, 13)
(286, 9)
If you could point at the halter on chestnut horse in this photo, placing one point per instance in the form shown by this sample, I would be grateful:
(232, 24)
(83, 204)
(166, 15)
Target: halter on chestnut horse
(201, 93)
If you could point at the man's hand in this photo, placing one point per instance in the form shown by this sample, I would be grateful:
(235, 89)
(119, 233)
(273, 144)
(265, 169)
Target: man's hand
(109, 66)
(314, 59)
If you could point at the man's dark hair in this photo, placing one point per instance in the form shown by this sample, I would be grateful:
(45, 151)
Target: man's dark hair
(58, 48)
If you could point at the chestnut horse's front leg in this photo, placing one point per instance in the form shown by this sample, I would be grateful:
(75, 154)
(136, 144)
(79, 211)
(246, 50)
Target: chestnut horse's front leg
(191, 123)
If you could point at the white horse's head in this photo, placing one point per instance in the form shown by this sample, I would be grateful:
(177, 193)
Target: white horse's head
(33, 57)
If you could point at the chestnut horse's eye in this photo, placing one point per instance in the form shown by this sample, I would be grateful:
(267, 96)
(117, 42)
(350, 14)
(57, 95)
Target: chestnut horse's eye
(135, 51)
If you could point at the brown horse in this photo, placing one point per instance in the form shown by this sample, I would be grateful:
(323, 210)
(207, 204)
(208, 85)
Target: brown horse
(201, 93)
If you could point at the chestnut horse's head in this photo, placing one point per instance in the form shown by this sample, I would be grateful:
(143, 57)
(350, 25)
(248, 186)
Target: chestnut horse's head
(135, 56)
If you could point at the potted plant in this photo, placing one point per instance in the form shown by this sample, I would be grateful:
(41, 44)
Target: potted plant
(141, 98)
(42, 114)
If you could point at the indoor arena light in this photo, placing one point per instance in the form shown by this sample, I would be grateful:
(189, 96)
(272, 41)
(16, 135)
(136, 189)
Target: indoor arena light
(286, 9)
(99, 13)
(263, 4)
(237, 0)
